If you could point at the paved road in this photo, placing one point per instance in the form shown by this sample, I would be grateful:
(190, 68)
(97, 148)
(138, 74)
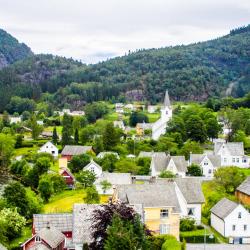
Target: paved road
(217, 247)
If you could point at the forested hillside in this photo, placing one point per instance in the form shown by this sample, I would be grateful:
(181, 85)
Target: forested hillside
(218, 67)
(11, 50)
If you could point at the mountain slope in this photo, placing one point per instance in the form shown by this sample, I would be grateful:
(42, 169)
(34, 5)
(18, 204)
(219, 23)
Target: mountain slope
(195, 72)
(11, 50)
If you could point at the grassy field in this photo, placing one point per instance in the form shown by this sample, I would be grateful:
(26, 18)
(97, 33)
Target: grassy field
(153, 117)
(63, 202)
(26, 150)
(50, 129)
(26, 234)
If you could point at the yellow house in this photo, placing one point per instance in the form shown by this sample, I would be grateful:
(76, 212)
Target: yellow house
(141, 128)
(160, 205)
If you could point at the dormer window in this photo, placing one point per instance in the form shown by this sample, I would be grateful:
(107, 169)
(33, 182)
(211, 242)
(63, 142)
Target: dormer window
(37, 239)
(164, 213)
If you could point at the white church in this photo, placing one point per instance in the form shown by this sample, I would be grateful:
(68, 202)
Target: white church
(159, 127)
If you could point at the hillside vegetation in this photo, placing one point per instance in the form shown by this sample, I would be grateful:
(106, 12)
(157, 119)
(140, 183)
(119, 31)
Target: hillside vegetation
(214, 68)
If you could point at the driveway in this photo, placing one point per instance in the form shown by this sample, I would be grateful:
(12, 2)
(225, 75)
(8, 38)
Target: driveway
(217, 247)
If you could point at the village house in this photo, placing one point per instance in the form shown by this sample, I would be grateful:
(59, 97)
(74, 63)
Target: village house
(207, 162)
(143, 128)
(103, 154)
(161, 162)
(49, 148)
(114, 179)
(119, 124)
(15, 119)
(231, 220)
(189, 194)
(119, 108)
(94, 168)
(232, 154)
(71, 150)
(152, 109)
(160, 204)
(129, 106)
(68, 177)
(243, 192)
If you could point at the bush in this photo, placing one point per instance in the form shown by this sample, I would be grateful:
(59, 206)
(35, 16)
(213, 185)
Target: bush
(171, 244)
(198, 239)
(200, 227)
(157, 241)
(187, 224)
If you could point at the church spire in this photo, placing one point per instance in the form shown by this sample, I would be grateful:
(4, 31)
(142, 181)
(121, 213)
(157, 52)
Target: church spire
(166, 100)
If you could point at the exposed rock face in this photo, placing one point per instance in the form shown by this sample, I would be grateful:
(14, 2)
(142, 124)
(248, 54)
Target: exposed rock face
(3, 61)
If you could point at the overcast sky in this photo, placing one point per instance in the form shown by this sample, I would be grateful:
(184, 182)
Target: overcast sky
(94, 30)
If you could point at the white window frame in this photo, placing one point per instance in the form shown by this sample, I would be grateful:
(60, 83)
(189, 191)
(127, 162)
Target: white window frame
(164, 213)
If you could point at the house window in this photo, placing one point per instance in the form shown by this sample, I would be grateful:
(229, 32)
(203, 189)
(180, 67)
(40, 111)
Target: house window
(190, 211)
(52, 152)
(233, 227)
(239, 215)
(245, 227)
(164, 213)
(209, 171)
(244, 160)
(205, 163)
(225, 159)
(237, 160)
(233, 159)
(164, 229)
(92, 169)
(37, 239)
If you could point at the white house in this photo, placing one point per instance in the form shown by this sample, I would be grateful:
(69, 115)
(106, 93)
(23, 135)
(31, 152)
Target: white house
(119, 124)
(49, 148)
(162, 162)
(231, 220)
(232, 154)
(152, 108)
(94, 167)
(207, 162)
(159, 127)
(119, 108)
(15, 119)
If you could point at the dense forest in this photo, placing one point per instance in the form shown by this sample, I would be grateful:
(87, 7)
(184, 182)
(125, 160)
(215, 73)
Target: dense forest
(215, 68)
(11, 50)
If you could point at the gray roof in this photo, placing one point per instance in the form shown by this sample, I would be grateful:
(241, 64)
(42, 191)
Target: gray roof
(115, 178)
(166, 100)
(160, 160)
(145, 154)
(52, 236)
(180, 163)
(82, 214)
(144, 125)
(198, 158)
(75, 150)
(191, 189)
(149, 195)
(223, 208)
(235, 148)
(62, 222)
(244, 187)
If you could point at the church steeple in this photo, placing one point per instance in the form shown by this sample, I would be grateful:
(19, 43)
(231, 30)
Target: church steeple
(166, 100)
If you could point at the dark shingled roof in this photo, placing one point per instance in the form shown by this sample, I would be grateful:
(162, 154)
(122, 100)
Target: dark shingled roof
(75, 150)
(244, 187)
(223, 208)
(62, 222)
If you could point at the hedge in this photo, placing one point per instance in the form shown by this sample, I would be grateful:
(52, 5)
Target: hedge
(198, 239)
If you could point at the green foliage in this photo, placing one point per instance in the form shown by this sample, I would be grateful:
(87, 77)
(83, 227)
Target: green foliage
(92, 196)
(76, 137)
(144, 164)
(36, 128)
(157, 241)
(45, 187)
(19, 168)
(111, 136)
(166, 174)
(67, 130)
(194, 170)
(125, 234)
(95, 111)
(105, 185)
(7, 144)
(78, 162)
(187, 224)
(11, 222)
(19, 141)
(191, 147)
(137, 117)
(108, 162)
(86, 178)
(172, 244)
(229, 178)
(21, 105)
(213, 128)
(126, 166)
(54, 136)
(58, 183)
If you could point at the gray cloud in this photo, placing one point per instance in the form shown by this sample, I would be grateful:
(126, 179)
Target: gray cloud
(93, 30)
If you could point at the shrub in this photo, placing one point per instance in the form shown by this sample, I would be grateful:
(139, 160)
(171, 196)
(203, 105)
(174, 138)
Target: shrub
(157, 241)
(171, 244)
(187, 224)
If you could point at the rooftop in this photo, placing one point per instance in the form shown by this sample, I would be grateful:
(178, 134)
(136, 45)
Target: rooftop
(244, 187)
(75, 150)
(223, 208)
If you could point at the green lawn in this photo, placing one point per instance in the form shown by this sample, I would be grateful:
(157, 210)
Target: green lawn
(111, 117)
(246, 171)
(64, 202)
(50, 129)
(153, 117)
(26, 150)
(26, 234)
